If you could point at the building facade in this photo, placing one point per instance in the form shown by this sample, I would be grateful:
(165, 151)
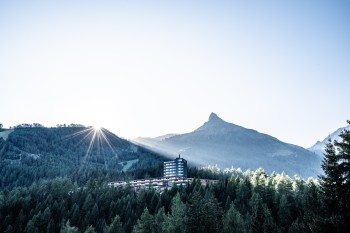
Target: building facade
(176, 168)
(160, 184)
(175, 174)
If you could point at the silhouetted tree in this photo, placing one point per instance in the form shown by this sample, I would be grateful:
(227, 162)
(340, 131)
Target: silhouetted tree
(335, 184)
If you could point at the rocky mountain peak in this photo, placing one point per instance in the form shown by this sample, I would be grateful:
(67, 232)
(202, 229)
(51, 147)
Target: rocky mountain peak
(214, 117)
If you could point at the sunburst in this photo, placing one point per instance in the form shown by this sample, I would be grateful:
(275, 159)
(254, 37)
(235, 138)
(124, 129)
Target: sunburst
(97, 138)
(97, 128)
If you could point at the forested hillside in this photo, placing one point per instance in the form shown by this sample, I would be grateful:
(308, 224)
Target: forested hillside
(32, 153)
(250, 202)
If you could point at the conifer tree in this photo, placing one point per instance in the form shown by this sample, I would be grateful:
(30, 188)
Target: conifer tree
(175, 222)
(75, 219)
(159, 219)
(30, 228)
(335, 183)
(67, 228)
(298, 226)
(233, 221)
(116, 226)
(331, 180)
(261, 219)
(204, 214)
(145, 224)
(9, 229)
(90, 229)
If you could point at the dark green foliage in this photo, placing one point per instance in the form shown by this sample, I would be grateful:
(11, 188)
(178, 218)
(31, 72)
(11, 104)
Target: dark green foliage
(90, 229)
(261, 219)
(332, 178)
(145, 224)
(176, 220)
(204, 212)
(67, 228)
(159, 220)
(116, 226)
(75, 215)
(335, 184)
(233, 221)
(298, 226)
(274, 203)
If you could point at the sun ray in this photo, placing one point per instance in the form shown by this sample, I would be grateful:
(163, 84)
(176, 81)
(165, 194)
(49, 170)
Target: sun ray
(87, 135)
(101, 149)
(70, 136)
(91, 144)
(109, 143)
(97, 138)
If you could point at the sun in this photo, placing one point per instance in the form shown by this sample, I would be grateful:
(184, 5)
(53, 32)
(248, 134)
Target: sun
(97, 128)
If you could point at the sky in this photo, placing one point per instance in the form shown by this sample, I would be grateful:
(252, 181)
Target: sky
(148, 68)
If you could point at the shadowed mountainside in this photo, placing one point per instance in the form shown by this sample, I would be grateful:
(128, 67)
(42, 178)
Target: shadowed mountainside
(226, 144)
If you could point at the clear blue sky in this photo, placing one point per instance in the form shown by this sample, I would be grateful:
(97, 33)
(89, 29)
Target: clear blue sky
(147, 68)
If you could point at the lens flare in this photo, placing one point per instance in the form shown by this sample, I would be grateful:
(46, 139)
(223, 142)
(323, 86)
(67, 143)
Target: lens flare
(99, 143)
(97, 128)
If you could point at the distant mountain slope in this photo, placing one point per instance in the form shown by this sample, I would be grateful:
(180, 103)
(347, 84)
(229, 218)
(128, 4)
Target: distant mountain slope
(318, 148)
(149, 140)
(226, 144)
(32, 153)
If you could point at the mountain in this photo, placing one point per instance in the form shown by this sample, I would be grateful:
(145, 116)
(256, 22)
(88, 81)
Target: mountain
(229, 145)
(318, 148)
(148, 140)
(31, 153)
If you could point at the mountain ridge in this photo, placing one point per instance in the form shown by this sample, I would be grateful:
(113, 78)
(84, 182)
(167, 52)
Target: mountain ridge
(227, 144)
(319, 146)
